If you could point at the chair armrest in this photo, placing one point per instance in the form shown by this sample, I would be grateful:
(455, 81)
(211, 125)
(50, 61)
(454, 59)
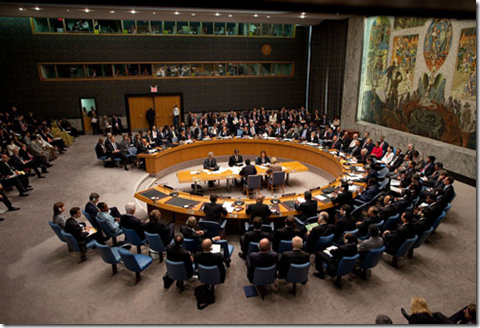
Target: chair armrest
(223, 225)
(299, 221)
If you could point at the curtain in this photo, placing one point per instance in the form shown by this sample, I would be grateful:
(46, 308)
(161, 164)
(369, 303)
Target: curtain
(327, 67)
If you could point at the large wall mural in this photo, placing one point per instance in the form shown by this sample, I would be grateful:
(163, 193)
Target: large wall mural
(410, 94)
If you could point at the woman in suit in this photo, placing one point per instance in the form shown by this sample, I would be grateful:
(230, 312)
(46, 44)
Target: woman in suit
(154, 226)
(58, 217)
(262, 159)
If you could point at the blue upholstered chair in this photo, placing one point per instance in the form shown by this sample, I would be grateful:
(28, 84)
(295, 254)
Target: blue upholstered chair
(371, 260)
(310, 220)
(353, 232)
(421, 239)
(58, 231)
(72, 242)
(266, 227)
(213, 228)
(252, 247)
(254, 182)
(284, 246)
(177, 271)
(109, 255)
(227, 250)
(108, 232)
(209, 275)
(135, 262)
(346, 265)
(132, 238)
(102, 158)
(438, 221)
(384, 183)
(383, 173)
(277, 181)
(324, 242)
(297, 273)
(402, 251)
(93, 223)
(190, 245)
(156, 244)
(391, 223)
(263, 277)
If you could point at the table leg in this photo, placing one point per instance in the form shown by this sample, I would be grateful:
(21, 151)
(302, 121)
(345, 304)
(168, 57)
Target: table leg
(195, 186)
(286, 181)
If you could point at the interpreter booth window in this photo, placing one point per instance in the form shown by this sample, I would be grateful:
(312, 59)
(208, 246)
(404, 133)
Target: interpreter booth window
(48, 72)
(56, 25)
(109, 26)
(277, 29)
(41, 25)
(79, 26)
(207, 28)
(254, 29)
(265, 69)
(132, 70)
(146, 69)
(242, 69)
(159, 70)
(185, 70)
(156, 27)
(143, 27)
(243, 29)
(219, 29)
(254, 69)
(232, 29)
(129, 27)
(119, 70)
(169, 28)
(183, 28)
(288, 30)
(172, 70)
(70, 71)
(232, 69)
(220, 69)
(195, 28)
(209, 69)
(266, 29)
(197, 70)
(287, 69)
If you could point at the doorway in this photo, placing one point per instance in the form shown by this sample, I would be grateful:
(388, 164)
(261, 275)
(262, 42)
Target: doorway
(137, 106)
(86, 107)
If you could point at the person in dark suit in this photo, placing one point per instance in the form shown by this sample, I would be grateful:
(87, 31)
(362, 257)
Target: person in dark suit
(448, 191)
(13, 178)
(100, 149)
(344, 222)
(383, 144)
(356, 150)
(336, 143)
(189, 232)
(6, 201)
(262, 159)
(371, 172)
(150, 116)
(176, 253)
(371, 218)
(307, 208)
(252, 236)
(323, 229)
(210, 163)
(371, 191)
(236, 159)
(247, 170)
(20, 164)
(348, 249)
(92, 209)
(286, 233)
(425, 217)
(117, 125)
(295, 256)
(214, 211)
(395, 239)
(259, 209)
(396, 161)
(80, 232)
(344, 197)
(429, 168)
(207, 258)
(154, 226)
(114, 151)
(129, 221)
(262, 259)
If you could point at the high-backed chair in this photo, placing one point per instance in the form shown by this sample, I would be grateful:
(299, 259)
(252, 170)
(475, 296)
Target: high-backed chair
(340, 242)
(72, 242)
(58, 231)
(346, 265)
(213, 228)
(132, 237)
(93, 222)
(209, 275)
(383, 184)
(277, 181)
(438, 221)
(391, 223)
(177, 271)
(324, 242)
(102, 158)
(190, 245)
(156, 244)
(379, 225)
(135, 262)
(108, 232)
(252, 247)
(266, 227)
(297, 273)
(383, 173)
(263, 277)
(284, 246)
(371, 260)
(421, 239)
(254, 182)
(308, 221)
(109, 255)
(402, 251)
(227, 250)
(357, 210)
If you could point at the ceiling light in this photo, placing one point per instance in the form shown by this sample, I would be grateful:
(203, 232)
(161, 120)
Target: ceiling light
(37, 8)
(302, 17)
(132, 11)
(87, 10)
(176, 13)
(112, 11)
(68, 10)
(193, 14)
(230, 16)
(154, 13)
(255, 15)
(21, 9)
(268, 16)
(303, 14)
(217, 14)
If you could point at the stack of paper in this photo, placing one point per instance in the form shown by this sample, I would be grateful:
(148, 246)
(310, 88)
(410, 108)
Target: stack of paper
(301, 199)
(228, 206)
(321, 198)
(395, 183)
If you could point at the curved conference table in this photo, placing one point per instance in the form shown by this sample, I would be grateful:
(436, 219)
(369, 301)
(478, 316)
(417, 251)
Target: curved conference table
(186, 204)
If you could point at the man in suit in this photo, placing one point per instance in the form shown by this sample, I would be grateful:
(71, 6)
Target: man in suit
(6, 201)
(247, 170)
(189, 232)
(176, 253)
(448, 191)
(307, 208)
(383, 144)
(214, 211)
(336, 143)
(20, 164)
(114, 151)
(116, 125)
(207, 258)
(129, 221)
(348, 249)
(100, 149)
(373, 242)
(371, 218)
(396, 161)
(395, 239)
(252, 236)
(236, 159)
(426, 216)
(344, 222)
(323, 229)
(210, 163)
(262, 259)
(295, 256)
(81, 232)
(150, 116)
(371, 191)
(286, 233)
(13, 178)
(356, 149)
(259, 209)
(429, 168)
(371, 172)
(344, 197)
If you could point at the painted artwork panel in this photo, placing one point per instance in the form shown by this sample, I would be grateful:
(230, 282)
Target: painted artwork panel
(404, 58)
(401, 23)
(438, 42)
(465, 76)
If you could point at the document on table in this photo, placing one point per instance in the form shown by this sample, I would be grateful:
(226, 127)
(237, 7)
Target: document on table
(301, 200)
(229, 206)
(395, 183)
(216, 248)
(423, 205)
(321, 198)
(395, 189)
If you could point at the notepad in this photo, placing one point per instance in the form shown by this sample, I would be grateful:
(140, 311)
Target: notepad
(311, 226)
(321, 198)
(329, 249)
(395, 189)
(395, 183)
(216, 248)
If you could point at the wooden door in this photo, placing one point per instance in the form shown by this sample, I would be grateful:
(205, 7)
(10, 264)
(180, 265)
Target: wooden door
(164, 109)
(138, 107)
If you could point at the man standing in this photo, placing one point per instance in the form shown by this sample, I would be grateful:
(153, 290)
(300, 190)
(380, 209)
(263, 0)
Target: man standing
(210, 163)
(150, 116)
(176, 116)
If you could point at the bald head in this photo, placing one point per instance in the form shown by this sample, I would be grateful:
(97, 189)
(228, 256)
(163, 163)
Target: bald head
(260, 199)
(206, 245)
(297, 242)
(264, 245)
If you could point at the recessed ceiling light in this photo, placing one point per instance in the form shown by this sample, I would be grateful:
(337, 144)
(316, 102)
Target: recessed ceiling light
(303, 14)
(112, 11)
(230, 16)
(268, 16)
(176, 13)
(21, 9)
(217, 14)
(133, 11)
(302, 17)
(68, 10)
(193, 14)
(87, 10)
(37, 8)
(154, 13)
(255, 15)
